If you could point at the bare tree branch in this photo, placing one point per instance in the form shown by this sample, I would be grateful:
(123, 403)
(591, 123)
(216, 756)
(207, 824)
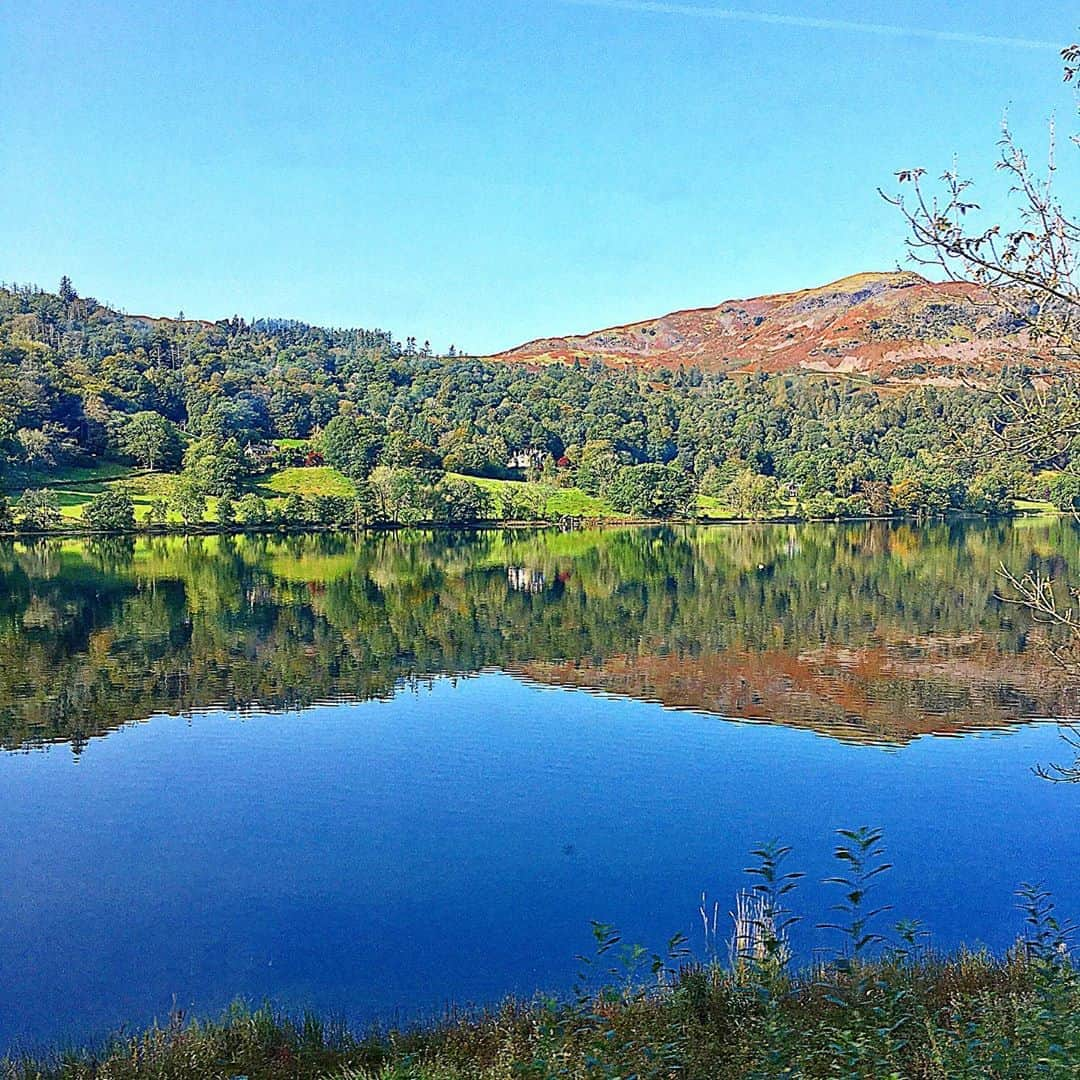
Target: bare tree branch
(1028, 271)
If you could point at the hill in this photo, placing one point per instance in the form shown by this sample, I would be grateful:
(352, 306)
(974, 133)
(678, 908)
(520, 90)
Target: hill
(835, 423)
(893, 326)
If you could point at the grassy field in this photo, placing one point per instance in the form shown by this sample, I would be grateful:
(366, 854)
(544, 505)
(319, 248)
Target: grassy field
(546, 500)
(144, 489)
(74, 490)
(1034, 506)
(317, 480)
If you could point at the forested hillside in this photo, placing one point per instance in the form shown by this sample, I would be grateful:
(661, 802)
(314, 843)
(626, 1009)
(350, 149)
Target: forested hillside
(208, 414)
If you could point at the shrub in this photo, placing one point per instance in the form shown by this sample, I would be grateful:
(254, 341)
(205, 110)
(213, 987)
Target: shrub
(753, 495)
(351, 445)
(458, 502)
(822, 505)
(1064, 490)
(292, 512)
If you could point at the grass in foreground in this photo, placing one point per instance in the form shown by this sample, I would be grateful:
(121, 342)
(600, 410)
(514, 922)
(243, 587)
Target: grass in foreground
(970, 1015)
(642, 1016)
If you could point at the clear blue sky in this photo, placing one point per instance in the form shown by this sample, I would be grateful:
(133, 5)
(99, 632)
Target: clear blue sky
(486, 172)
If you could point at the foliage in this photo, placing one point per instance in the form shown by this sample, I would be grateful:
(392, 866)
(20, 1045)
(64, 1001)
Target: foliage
(151, 440)
(823, 504)
(252, 510)
(214, 466)
(38, 510)
(248, 397)
(457, 502)
(751, 495)
(226, 511)
(110, 511)
(189, 501)
(597, 466)
(656, 491)
(351, 445)
(1064, 490)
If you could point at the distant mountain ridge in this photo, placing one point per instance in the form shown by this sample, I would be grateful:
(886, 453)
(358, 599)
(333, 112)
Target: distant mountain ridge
(894, 326)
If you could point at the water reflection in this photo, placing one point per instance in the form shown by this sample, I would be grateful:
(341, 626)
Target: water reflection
(867, 631)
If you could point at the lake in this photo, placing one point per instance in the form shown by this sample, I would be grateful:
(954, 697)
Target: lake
(376, 776)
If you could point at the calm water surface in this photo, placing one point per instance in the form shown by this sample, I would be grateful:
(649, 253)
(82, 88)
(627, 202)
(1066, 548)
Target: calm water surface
(378, 776)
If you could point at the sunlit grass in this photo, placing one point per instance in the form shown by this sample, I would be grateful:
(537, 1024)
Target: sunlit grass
(316, 480)
(548, 500)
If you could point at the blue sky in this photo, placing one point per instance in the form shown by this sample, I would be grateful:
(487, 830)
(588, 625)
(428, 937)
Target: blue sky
(486, 172)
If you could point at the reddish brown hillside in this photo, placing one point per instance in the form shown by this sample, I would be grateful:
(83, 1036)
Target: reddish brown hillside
(896, 326)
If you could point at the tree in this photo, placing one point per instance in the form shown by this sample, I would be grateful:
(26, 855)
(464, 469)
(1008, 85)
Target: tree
(523, 502)
(110, 511)
(335, 511)
(918, 494)
(821, 505)
(1064, 490)
(252, 510)
(293, 511)
(458, 502)
(214, 466)
(363, 507)
(403, 451)
(66, 290)
(597, 466)
(226, 511)
(476, 455)
(1029, 267)
(189, 502)
(38, 446)
(7, 518)
(158, 514)
(151, 440)
(399, 495)
(656, 491)
(351, 445)
(874, 497)
(991, 493)
(751, 495)
(38, 510)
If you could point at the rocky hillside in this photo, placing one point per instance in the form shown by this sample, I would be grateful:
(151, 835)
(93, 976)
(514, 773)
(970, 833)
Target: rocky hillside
(894, 326)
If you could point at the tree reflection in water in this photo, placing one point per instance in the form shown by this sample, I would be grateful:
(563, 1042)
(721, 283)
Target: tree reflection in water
(868, 631)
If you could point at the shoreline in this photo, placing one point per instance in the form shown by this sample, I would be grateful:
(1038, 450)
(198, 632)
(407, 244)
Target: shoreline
(566, 524)
(909, 1011)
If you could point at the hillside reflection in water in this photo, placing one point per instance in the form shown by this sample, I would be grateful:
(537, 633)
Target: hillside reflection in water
(869, 632)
